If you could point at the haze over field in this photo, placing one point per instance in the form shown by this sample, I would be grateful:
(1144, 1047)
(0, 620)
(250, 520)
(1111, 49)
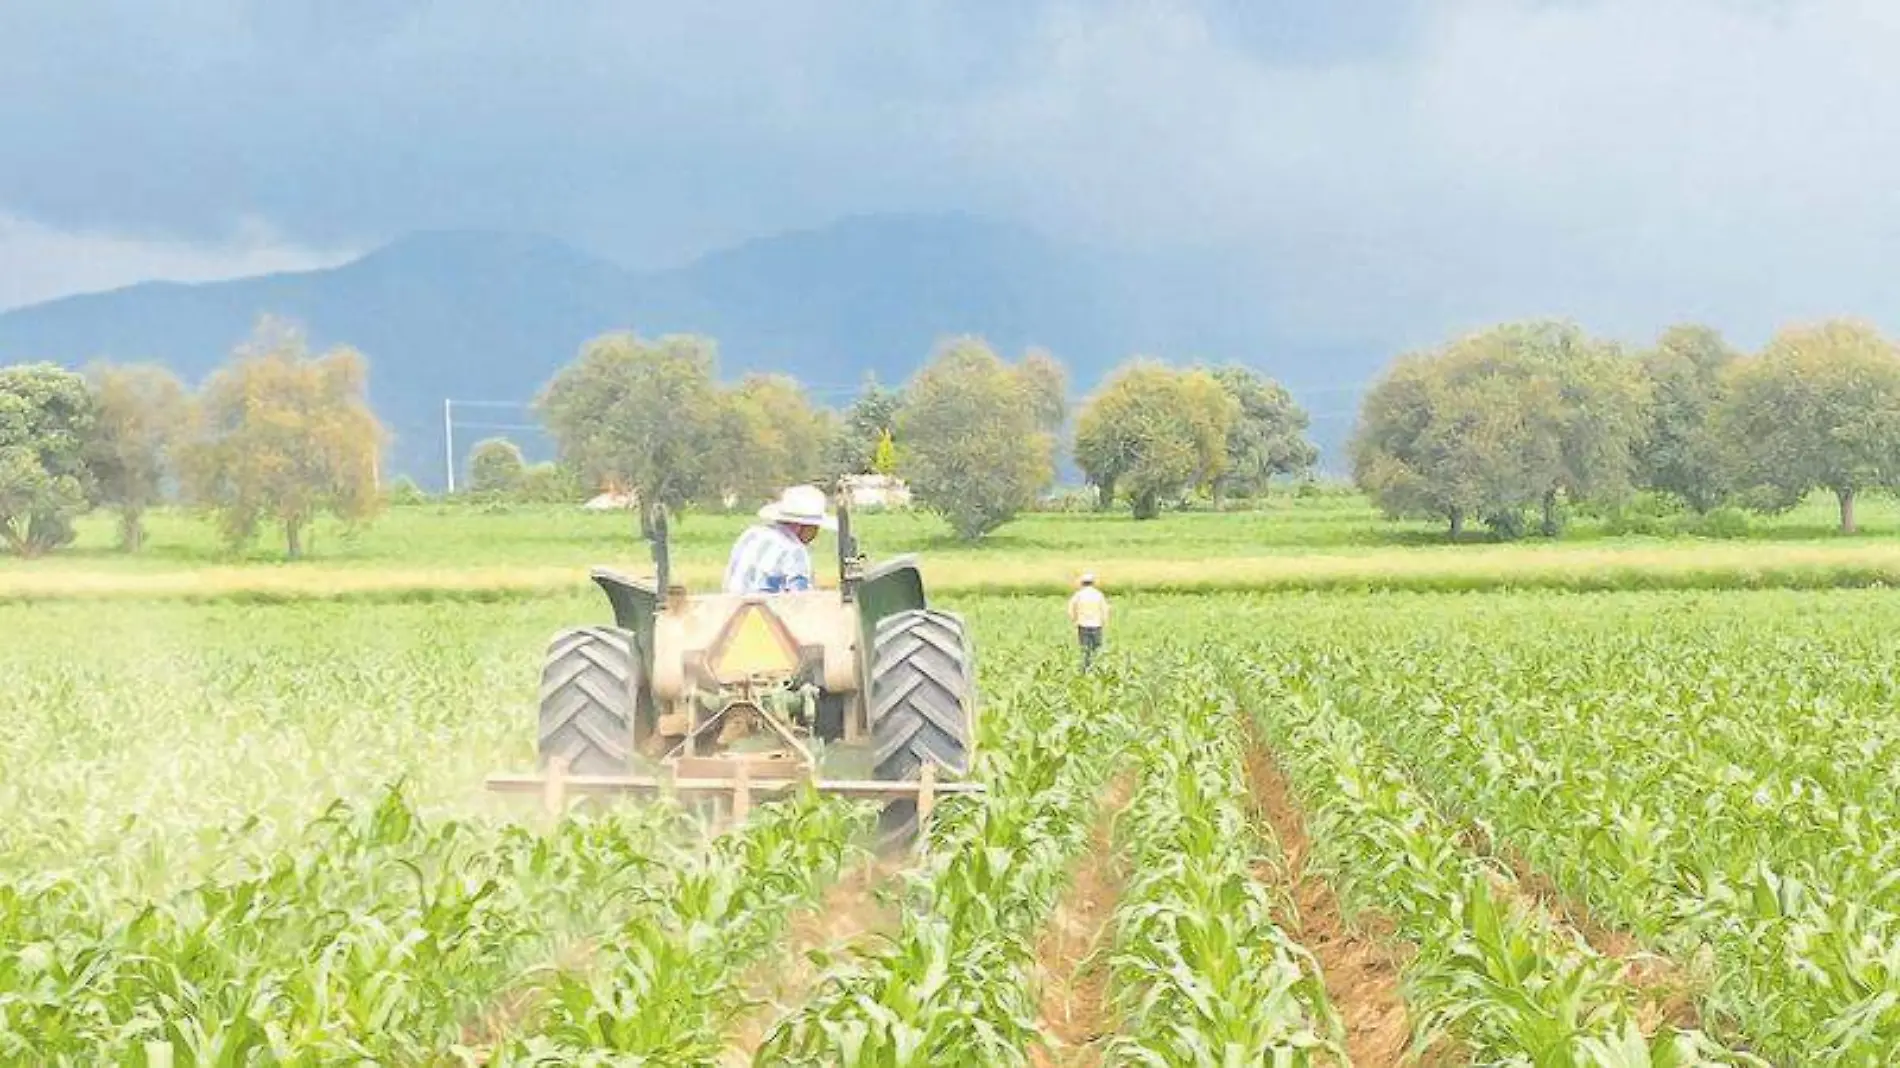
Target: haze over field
(1561, 731)
(1309, 188)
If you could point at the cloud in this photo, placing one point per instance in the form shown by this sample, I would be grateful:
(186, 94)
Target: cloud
(1621, 161)
(651, 130)
(1380, 174)
(39, 262)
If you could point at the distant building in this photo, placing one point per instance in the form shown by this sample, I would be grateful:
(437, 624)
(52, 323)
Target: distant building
(876, 491)
(612, 500)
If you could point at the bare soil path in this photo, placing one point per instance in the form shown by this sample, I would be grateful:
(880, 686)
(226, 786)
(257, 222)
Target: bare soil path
(851, 908)
(1074, 1017)
(1361, 971)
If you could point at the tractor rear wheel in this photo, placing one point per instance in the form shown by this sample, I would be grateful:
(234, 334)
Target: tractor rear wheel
(590, 686)
(923, 695)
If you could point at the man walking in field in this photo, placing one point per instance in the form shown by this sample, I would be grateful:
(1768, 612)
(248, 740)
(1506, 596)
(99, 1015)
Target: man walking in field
(1088, 611)
(771, 557)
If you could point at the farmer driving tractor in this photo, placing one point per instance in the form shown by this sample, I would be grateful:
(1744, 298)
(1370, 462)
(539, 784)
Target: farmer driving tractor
(771, 557)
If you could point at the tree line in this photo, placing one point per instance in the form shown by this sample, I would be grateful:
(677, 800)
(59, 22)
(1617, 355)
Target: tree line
(1508, 427)
(275, 437)
(281, 435)
(1511, 425)
(973, 436)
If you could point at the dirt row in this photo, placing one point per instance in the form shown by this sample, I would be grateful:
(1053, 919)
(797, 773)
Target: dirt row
(852, 908)
(1361, 970)
(1075, 1019)
(1362, 963)
(1669, 995)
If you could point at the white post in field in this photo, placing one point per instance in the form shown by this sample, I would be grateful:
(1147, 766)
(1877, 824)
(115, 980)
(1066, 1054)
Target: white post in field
(448, 441)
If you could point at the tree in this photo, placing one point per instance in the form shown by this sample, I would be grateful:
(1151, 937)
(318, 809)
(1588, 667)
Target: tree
(1678, 453)
(1597, 419)
(1461, 432)
(1268, 436)
(1820, 407)
(870, 419)
(1154, 431)
(1517, 416)
(47, 417)
(770, 436)
(496, 468)
(404, 491)
(142, 410)
(884, 460)
(281, 436)
(549, 483)
(1045, 385)
(641, 416)
(972, 450)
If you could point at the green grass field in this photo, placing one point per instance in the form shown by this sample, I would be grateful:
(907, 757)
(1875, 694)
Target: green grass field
(1290, 817)
(465, 535)
(1329, 542)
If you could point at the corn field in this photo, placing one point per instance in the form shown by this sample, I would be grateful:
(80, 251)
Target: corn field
(1616, 829)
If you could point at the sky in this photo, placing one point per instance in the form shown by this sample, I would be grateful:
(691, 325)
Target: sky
(1392, 170)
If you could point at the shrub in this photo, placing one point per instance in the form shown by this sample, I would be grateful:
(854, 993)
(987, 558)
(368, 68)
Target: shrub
(1724, 522)
(549, 483)
(1647, 513)
(404, 491)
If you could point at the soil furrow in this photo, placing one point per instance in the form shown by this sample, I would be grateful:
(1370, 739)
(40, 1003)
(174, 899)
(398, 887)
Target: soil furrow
(1074, 1017)
(851, 908)
(1669, 994)
(1361, 972)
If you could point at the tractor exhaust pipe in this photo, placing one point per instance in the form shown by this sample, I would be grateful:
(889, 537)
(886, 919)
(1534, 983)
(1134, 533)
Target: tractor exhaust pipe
(850, 561)
(656, 541)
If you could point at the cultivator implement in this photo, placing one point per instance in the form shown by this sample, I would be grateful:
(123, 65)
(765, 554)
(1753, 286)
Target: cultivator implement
(737, 783)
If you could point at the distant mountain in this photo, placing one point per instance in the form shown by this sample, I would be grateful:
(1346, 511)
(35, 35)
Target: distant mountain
(483, 316)
(873, 293)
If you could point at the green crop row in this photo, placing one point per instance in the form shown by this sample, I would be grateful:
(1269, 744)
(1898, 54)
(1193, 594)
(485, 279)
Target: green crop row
(663, 986)
(375, 938)
(1199, 972)
(1779, 879)
(956, 982)
(1491, 967)
(382, 938)
(1708, 774)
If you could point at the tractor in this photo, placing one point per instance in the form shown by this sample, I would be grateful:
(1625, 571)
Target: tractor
(863, 690)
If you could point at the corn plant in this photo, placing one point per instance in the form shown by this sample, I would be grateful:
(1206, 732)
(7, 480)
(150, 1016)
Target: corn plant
(1199, 972)
(1492, 969)
(665, 985)
(1691, 849)
(955, 982)
(375, 938)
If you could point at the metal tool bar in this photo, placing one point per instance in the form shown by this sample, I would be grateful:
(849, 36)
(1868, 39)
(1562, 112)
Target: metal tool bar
(611, 784)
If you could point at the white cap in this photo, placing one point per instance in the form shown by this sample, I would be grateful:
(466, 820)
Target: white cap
(1088, 578)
